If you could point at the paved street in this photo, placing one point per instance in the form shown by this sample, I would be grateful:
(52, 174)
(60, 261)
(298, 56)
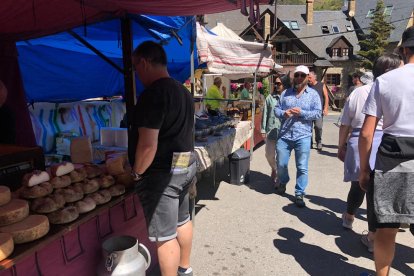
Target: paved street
(250, 230)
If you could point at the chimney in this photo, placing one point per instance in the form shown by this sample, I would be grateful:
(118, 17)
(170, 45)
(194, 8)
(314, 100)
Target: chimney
(309, 12)
(351, 8)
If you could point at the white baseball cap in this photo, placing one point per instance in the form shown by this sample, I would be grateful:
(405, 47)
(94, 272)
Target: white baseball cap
(303, 69)
(367, 78)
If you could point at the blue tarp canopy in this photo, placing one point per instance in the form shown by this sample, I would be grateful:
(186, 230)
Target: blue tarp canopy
(59, 68)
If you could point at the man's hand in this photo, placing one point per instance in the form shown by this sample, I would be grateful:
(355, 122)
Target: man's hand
(295, 111)
(341, 153)
(288, 113)
(325, 112)
(364, 178)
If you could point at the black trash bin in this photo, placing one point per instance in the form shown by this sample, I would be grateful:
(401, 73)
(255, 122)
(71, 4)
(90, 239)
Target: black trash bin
(239, 163)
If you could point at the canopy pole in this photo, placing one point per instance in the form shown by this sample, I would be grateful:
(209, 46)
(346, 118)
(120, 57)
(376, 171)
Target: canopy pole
(192, 80)
(129, 77)
(253, 115)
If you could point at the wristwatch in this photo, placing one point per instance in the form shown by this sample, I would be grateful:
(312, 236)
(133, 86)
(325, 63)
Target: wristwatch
(136, 176)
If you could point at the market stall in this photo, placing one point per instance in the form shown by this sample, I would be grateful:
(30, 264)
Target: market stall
(73, 247)
(234, 58)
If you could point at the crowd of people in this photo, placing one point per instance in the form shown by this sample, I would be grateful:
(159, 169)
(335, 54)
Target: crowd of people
(376, 144)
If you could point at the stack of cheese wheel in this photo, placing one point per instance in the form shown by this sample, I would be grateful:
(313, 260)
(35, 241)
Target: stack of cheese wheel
(63, 175)
(117, 165)
(16, 222)
(6, 240)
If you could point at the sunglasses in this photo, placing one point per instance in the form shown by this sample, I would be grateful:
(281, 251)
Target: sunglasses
(278, 83)
(302, 75)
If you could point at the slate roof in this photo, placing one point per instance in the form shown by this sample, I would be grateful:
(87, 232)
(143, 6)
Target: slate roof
(402, 10)
(310, 35)
(234, 20)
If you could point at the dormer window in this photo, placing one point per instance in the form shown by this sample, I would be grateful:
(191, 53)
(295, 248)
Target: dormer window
(335, 29)
(294, 25)
(325, 29)
(388, 10)
(345, 52)
(287, 24)
(370, 13)
(335, 52)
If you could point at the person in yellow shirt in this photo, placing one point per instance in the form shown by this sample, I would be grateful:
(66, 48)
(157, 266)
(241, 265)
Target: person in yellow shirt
(214, 93)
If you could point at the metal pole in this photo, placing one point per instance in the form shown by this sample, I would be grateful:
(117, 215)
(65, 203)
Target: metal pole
(253, 115)
(129, 77)
(192, 80)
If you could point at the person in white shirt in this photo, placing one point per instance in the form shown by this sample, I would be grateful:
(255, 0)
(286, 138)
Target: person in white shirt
(390, 187)
(351, 123)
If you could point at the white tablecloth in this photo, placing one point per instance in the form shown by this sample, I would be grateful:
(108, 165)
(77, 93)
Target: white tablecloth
(221, 146)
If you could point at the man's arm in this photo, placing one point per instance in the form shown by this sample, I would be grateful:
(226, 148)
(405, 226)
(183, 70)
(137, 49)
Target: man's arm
(343, 138)
(146, 149)
(364, 146)
(326, 100)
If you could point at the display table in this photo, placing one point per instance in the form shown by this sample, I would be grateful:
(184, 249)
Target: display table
(75, 248)
(221, 146)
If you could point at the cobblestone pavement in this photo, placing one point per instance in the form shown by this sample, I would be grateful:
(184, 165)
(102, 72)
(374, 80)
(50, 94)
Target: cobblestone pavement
(249, 230)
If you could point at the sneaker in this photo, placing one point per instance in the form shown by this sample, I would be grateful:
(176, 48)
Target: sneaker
(184, 271)
(365, 241)
(299, 201)
(319, 146)
(281, 189)
(346, 222)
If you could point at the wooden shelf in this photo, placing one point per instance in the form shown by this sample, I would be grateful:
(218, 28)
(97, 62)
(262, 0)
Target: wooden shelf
(56, 232)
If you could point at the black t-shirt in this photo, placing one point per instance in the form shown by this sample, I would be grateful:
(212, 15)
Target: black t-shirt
(7, 126)
(168, 106)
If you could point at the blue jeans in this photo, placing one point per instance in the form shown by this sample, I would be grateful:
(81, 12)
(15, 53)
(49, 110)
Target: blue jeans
(302, 151)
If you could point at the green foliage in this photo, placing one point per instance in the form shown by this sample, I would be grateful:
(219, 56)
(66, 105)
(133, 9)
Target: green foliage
(291, 2)
(374, 43)
(319, 4)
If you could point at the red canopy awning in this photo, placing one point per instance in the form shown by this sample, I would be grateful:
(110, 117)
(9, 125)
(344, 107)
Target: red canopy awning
(23, 19)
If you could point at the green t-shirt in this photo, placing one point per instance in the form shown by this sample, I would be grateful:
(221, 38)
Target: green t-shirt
(245, 94)
(213, 93)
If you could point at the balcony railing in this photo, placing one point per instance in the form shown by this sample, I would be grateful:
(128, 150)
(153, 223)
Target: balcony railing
(294, 59)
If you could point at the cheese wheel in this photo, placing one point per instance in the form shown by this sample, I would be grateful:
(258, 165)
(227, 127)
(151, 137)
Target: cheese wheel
(6, 245)
(60, 169)
(5, 195)
(14, 211)
(60, 181)
(64, 215)
(101, 197)
(115, 165)
(85, 205)
(31, 228)
(47, 204)
(106, 181)
(40, 190)
(70, 194)
(78, 175)
(93, 171)
(87, 186)
(35, 178)
(117, 190)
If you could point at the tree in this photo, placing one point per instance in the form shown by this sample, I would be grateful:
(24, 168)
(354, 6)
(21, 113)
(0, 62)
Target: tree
(374, 43)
